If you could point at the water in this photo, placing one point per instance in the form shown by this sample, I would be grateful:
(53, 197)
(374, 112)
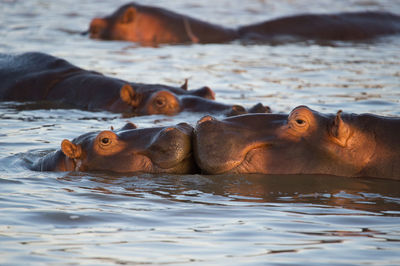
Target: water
(103, 218)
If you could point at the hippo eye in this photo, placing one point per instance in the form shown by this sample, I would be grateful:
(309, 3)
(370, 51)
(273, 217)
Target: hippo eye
(94, 30)
(160, 102)
(105, 141)
(300, 121)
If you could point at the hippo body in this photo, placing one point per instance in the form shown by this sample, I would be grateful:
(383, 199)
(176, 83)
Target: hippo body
(303, 142)
(352, 26)
(43, 78)
(148, 25)
(149, 150)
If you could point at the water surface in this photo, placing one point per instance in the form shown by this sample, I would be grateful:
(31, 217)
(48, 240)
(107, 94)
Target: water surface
(104, 218)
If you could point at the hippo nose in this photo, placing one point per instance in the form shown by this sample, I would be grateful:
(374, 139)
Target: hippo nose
(171, 145)
(185, 128)
(209, 93)
(180, 128)
(237, 110)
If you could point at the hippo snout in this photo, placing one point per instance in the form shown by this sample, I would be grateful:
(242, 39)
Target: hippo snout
(185, 128)
(236, 110)
(172, 146)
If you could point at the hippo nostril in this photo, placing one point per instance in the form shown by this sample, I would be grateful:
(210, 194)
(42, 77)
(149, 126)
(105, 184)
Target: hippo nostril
(210, 94)
(260, 108)
(185, 127)
(205, 119)
(168, 129)
(238, 108)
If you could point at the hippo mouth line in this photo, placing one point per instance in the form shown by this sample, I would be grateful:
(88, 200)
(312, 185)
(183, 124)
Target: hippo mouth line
(236, 166)
(175, 163)
(245, 162)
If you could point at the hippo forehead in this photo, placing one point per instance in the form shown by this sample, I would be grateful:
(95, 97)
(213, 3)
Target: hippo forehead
(151, 88)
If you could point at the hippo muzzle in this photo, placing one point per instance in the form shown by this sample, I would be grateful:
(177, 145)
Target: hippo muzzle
(172, 148)
(227, 145)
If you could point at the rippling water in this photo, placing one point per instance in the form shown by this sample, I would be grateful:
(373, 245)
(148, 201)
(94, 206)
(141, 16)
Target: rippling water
(103, 218)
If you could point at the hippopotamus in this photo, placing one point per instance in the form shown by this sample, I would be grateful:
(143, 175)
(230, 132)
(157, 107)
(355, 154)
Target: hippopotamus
(147, 150)
(301, 142)
(150, 26)
(351, 26)
(41, 77)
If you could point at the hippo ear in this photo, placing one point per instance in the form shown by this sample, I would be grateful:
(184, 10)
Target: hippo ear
(129, 15)
(70, 149)
(340, 130)
(127, 94)
(185, 85)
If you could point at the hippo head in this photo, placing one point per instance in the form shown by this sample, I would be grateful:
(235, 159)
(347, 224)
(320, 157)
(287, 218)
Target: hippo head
(303, 142)
(149, 150)
(143, 24)
(159, 99)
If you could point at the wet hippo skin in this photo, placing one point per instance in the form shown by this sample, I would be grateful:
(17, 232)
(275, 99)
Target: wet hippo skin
(150, 25)
(148, 150)
(43, 78)
(303, 142)
(352, 26)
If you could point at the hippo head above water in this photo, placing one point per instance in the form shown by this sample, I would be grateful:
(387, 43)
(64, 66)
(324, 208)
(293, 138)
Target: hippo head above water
(145, 99)
(303, 142)
(150, 25)
(159, 99)
(45, 80)
(149, 150)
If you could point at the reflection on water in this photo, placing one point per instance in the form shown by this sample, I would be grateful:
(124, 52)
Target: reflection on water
(103, 218)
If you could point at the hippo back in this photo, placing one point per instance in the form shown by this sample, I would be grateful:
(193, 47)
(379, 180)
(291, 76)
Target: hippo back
(30, 76)
(352, 26)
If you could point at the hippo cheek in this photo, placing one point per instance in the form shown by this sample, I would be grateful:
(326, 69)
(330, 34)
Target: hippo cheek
(260, 160)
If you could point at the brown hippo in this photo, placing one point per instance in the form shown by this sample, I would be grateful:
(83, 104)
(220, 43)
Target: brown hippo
(148, 25)
(148, 150)
(303, 142)
(352, 26)
(41, 77)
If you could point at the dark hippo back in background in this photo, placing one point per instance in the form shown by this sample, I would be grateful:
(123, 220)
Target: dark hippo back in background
(351, 26)
(41, 77)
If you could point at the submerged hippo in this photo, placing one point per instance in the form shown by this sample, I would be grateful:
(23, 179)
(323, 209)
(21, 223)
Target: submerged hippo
(352, 26)
(41, 77)
(150, 25)
(303, 142)
(148, 150)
